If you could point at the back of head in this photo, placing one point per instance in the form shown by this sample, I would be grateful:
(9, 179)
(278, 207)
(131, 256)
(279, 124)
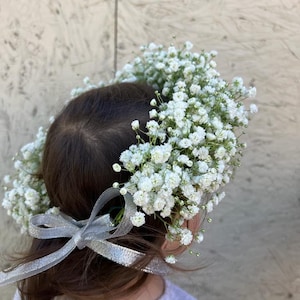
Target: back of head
(85, 140)
(82, 144)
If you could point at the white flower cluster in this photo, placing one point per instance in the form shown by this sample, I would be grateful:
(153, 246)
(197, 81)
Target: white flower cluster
(27, 195)
(192, 150)
(88, 85)
(193, 145)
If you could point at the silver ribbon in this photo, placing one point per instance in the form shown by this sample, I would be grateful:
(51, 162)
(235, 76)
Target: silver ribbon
(92, 233)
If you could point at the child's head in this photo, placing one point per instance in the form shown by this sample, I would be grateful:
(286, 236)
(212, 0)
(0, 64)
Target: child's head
(176, 163)
(82, 144)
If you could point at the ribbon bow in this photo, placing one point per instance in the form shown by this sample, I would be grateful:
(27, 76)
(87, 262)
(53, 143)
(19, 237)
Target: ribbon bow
(92, 233)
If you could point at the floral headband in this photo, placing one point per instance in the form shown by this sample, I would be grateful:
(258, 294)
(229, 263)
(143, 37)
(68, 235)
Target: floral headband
(192, 150)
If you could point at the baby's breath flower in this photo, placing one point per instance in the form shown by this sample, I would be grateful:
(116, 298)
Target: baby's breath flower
(153, 113)
(253, 108)
(197, 137)
(159, 204)
(183, 158)
(116, 185)
(137, 158)
(252, 92)
(170, 259)
(31, 195)
(202, 166)
(86, 80)
(53, 211)
(237, 82)
(138, 219)
(203, 153)
(166, 212)
(199, 237)
(153, 102)
(186, 237)
(189, 212)
(185, 143)
(188, 45)
(117, 167)
(135, 124)
(123, 191)
(156, 180)
(172, 51)
(145, 184)
(159, 66)
(6, 179)
(140, 198)
(179, 96)
(18, 165)
(220, 152)
(160, 154)
(172, 179)
(209, 206)
(210, 136)
(51, 119)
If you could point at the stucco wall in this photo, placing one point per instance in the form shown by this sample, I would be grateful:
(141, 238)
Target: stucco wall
(48, 46)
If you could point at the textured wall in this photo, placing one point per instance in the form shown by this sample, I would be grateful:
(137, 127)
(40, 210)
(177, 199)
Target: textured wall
(47, 47)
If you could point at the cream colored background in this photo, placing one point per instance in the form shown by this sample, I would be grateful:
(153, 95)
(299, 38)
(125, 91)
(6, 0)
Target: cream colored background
(252, 248)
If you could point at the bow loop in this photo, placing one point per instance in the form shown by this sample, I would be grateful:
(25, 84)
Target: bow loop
(47, 226)
(81, 233)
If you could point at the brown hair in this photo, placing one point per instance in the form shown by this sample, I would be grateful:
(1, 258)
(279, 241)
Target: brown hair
(84, 141)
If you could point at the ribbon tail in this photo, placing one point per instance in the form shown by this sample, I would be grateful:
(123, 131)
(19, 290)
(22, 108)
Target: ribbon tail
(37, 266)
(128, 257)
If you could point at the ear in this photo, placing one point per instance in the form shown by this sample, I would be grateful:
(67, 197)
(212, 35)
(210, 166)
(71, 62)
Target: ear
(174, 247)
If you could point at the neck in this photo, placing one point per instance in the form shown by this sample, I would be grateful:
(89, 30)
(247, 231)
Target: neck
(152, 289)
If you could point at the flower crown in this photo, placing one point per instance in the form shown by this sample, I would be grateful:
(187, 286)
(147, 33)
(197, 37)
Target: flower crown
(192, 150)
